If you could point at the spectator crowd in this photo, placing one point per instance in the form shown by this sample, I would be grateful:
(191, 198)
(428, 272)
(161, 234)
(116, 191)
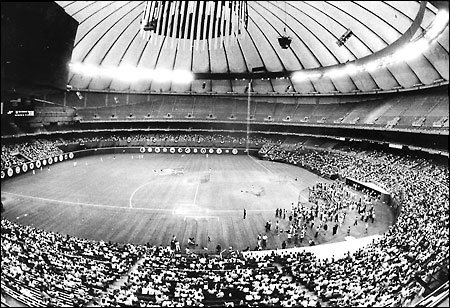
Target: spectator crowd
(18, 154)
(62, 270)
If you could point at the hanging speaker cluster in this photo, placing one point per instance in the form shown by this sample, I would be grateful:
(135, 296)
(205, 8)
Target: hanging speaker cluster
(194, 20)
(284, 41)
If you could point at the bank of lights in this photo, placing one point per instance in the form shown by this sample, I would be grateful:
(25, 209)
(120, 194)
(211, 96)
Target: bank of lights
(407, 52)
(131, 74)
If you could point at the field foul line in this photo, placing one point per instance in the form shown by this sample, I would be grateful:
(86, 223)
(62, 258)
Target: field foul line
(196, 191)
(118, 207)
(200, 216)
(292, 186)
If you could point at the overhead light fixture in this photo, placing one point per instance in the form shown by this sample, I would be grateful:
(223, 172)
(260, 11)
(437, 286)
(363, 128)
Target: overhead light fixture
(347, 34)
(259, 69)
(132, 74)
(284, 41)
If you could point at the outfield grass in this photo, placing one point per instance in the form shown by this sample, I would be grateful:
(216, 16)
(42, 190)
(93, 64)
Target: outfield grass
(122, 198)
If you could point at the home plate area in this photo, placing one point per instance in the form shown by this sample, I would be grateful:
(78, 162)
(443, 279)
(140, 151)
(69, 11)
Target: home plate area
(193, 211)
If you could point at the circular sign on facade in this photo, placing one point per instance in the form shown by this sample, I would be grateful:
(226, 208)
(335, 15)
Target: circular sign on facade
(44, 162)
(10, 172)
(61, 157)
(24, 168)
(3, 174)
(31, 166)
(38, 164)
(203, 151)
(234, 151)
(150, 150)
(70, 155)
(50, 160)
(164, 150)
(55, 159)
(195, 150)
(17, 170)
(211, 151)
(227, 151)
(180, 150)
(142, 150)
(219, 151)
(157, 150)
(66, 156)
(187, 150)
(172, 150)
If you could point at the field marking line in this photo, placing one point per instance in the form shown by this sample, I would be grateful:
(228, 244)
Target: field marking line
(297, 190)
(200, 216)
(255, 160)
(196, 192)
(61, 201)
(120, 207)
(135, 191)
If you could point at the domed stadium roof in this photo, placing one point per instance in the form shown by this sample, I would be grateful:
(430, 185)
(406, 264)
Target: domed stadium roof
(390, 45)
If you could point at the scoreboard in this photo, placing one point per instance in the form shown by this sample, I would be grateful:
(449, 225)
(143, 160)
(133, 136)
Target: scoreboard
(18, 108)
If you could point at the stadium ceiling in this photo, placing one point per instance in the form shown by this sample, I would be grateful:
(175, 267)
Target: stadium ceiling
(110, 52)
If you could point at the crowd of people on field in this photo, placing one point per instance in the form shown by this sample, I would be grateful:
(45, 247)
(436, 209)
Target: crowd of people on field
(325, 213)
(383, 273)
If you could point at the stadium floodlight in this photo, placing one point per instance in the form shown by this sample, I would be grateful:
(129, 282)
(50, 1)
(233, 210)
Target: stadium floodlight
(90, 70)
(162, 75)
(303, 75)
(182, 76)
(128, 73)
(439, 24)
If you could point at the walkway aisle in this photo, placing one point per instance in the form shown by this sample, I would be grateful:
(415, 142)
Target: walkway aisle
(116, 285)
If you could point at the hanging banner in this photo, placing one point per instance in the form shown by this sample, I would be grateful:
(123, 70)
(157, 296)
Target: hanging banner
(187, 150)
(227, 151)
(50, 161)
(31, 166)
(195, 150)
(17, 170)
(211, 151)
(150, 150)
(70, 155)
(55, 159)
(10, 172)
(234, 151)
(66, 156)
(38, 164)
(24, 168)
(61, 157)
(142, 150)
(172, 150)
(219, 151)
(3, 174)
(180, 150)
(203, 151)
(164, 150)
(157, 150)
(44, 162)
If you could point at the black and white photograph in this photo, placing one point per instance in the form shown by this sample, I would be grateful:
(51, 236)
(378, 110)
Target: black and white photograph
(225, 154)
